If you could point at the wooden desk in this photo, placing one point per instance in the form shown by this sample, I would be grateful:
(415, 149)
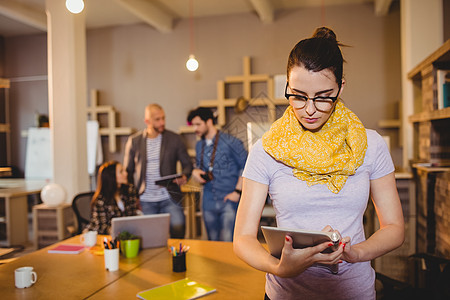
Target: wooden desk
(83, 275)
(14, 208)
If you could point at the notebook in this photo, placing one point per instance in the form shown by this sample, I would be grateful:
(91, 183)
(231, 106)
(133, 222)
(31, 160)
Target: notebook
(153, 229)
(179, 290)
(67, 249)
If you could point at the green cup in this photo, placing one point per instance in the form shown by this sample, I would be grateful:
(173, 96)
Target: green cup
(129, 248)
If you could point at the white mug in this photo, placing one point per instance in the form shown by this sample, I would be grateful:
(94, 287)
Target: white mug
(24, 277)
(89, 239)
(112, 259)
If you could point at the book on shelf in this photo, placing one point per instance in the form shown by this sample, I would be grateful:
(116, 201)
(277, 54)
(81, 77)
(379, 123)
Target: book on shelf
(443, 88)
(178, 290)
(67, 249)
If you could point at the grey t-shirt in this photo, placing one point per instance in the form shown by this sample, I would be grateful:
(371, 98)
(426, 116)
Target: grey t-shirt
(299, 206)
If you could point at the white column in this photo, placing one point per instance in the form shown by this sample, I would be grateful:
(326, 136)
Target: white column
(66, 39)
(422, 28)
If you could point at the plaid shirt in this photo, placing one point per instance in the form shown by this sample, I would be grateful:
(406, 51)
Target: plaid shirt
(101, 213)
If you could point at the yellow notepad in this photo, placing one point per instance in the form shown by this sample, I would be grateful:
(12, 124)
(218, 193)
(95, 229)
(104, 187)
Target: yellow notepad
(179, 290)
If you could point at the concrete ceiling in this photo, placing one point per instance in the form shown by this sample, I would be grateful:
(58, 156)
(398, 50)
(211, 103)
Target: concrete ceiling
(23, 17)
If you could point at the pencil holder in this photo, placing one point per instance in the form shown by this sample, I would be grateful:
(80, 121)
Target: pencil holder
(112, 259)
(179, 263)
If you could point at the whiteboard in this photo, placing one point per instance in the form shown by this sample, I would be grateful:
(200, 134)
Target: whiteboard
(94, 146)
(38, 159)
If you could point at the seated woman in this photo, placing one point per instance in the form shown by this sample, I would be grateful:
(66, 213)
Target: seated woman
(114, 197)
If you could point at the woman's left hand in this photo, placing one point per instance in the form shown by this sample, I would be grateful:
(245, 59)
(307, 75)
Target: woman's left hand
(350, 254)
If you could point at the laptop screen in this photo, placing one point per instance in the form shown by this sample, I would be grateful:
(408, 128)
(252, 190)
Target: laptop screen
(153, 229)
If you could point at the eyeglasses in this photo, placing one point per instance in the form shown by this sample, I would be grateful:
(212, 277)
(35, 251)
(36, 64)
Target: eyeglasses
(323, 104)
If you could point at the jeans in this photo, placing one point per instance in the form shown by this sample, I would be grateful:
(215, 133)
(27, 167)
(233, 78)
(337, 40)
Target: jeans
(177, 220)
(219, 222)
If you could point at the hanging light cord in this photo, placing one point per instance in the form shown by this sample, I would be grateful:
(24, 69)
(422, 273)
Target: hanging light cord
(191, 25)
(323, 12)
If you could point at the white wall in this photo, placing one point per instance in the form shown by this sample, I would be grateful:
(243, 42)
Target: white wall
(136, 65)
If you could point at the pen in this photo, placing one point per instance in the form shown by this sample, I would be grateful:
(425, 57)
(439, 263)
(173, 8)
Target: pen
(105, 243)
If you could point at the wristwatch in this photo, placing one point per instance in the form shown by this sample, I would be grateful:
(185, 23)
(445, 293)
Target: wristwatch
(238, 191)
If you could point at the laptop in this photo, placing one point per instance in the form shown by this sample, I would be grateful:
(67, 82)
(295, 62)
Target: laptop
(154, 229)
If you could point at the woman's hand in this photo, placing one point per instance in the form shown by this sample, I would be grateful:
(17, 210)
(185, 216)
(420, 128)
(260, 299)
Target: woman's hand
(295, 261)
(349, 254)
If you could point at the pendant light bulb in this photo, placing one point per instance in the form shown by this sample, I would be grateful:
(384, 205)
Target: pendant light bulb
(192, 63)
(75, 6)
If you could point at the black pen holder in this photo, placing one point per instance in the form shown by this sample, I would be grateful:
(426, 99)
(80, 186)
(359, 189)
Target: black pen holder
(179, 262)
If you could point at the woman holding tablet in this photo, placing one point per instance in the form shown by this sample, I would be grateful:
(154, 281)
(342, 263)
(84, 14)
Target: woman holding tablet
(320, 166)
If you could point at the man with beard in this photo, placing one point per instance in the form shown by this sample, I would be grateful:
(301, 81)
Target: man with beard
(220, 159)
(151, 154)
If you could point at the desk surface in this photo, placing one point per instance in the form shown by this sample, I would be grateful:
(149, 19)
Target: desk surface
(20, 186)
(81, 276)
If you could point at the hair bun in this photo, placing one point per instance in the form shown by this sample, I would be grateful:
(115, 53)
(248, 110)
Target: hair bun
(325, 33)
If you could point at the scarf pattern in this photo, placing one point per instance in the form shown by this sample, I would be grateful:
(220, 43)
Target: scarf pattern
(327, 156)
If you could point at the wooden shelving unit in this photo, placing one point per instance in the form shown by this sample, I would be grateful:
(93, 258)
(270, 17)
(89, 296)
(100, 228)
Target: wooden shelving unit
(432, 151)
(424, 116)
(5, 127)
(432, 137)
(195, 227)
(52, 224)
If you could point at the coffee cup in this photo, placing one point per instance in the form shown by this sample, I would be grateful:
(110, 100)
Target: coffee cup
(89, 239)
(24, 277)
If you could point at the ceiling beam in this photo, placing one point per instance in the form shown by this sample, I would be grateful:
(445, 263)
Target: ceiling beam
(24, 13)
(264, 9)
(382, 7)
(149, 13)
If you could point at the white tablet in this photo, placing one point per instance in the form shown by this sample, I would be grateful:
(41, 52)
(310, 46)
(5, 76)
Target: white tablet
(301, 238)
(166, 180)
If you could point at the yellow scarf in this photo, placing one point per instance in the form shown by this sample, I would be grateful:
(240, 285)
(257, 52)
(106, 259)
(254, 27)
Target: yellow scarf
(327, 156)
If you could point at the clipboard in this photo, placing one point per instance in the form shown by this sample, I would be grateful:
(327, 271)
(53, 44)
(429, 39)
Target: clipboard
(166, 180)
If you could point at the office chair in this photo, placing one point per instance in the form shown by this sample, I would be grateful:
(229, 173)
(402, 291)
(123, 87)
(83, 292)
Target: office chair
(81, 206)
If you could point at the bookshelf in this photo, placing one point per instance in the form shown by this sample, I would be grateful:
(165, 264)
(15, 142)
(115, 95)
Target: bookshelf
(5, 127)
(52, 224)
(431, 154)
